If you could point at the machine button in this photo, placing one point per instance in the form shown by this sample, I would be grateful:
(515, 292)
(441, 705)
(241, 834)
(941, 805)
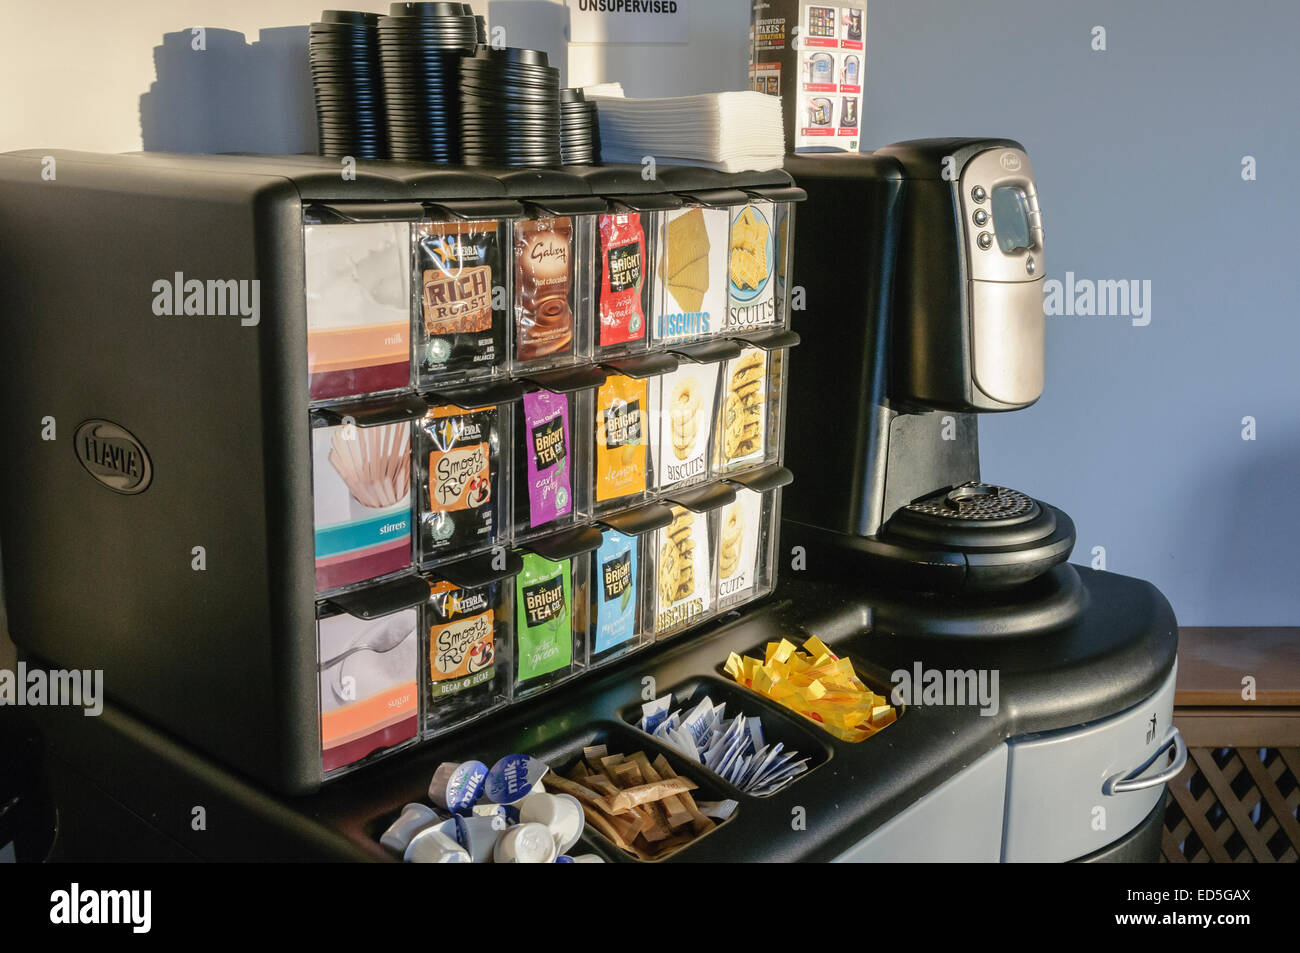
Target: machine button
(981, 217)
(985, 240)
(1030, 267)
(978, 193)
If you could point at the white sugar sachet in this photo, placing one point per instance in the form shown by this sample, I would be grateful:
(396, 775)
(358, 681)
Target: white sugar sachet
(735, 749)
(654, 712)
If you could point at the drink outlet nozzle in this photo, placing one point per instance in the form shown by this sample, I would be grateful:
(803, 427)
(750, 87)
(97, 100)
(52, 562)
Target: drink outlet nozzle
(922, 267)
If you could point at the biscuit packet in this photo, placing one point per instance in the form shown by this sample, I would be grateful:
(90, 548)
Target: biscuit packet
(621, 305)
(460, 267)
(548, 458)
(459, 508)
(691, 271)
(543, 631)
(685, 424)
(742, 411)
(740, 530)
(543, 296)
(622, 410)
(751, 268)
(683, 585)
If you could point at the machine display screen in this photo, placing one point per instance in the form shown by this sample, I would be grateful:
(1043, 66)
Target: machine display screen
(1011, 217)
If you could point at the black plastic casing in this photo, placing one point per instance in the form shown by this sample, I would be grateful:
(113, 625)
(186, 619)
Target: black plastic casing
(931, 356)
(837, 421)
(222, 653)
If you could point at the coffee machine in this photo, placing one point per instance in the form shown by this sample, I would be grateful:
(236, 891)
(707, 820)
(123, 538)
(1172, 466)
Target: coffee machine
(943, 321)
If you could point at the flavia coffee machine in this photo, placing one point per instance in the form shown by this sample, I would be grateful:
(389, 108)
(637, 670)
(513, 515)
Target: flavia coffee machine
(1033, 698)
(958, 331)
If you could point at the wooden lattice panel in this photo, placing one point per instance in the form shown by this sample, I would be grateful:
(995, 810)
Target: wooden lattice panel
(1234, 805)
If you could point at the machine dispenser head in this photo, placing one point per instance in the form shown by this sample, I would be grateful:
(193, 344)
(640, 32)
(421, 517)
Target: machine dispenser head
(968, 310)
(943, 319)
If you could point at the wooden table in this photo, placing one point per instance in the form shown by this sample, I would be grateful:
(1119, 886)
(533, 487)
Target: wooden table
(1237, 704)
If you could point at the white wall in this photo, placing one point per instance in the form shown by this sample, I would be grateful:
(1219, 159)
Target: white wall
(72, 72)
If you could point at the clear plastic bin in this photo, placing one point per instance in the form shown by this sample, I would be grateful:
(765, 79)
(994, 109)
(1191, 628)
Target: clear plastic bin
(467, 640)
(785, 214)
(752, 268)
(462, 481)
(684, 407)
(551, 464)
(551, 597)
(690, 273)
(361, 491)
(369, 697)
(744, 537)
(684, 568)
(623, 425)
(552, 268)
(357, 282)
(620, 616)
(461, 311)
(623, 280)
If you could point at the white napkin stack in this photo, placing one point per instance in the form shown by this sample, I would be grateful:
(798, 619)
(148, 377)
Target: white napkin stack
(732, 132)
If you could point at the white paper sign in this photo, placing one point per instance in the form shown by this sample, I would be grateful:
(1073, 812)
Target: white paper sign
(628, 21)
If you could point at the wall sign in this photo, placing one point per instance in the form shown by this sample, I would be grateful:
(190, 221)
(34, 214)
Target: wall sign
(628, 21)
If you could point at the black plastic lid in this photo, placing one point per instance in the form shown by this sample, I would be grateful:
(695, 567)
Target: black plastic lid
(481, 570)
(349, 212)
(385, 598)
(643, 519)
(719, 198)
(528, 183)
(764, 479)
(350, 17)
(571, 205)
(644, 365)
(474, 396)
(514, 54)
(476, 209)
(568, 380)
(565, 545)
(770, 340)
(650, 202)
(709, 352)
(789, 193)
(701, 499)
(371, 412)
(426, 9)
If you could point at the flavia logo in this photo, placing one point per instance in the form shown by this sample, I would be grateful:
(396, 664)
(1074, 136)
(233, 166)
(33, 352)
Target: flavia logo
(1010, 161)
(113, 456)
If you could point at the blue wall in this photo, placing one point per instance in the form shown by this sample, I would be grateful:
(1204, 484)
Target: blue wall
(1138, 153)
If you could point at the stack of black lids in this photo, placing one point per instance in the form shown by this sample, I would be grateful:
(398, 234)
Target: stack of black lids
(345, 73)
(510, 109)
(421, 46)
(579, 131)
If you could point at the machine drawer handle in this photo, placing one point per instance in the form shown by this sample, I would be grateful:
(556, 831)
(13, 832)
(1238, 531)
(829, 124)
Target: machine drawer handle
(1129, 781)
